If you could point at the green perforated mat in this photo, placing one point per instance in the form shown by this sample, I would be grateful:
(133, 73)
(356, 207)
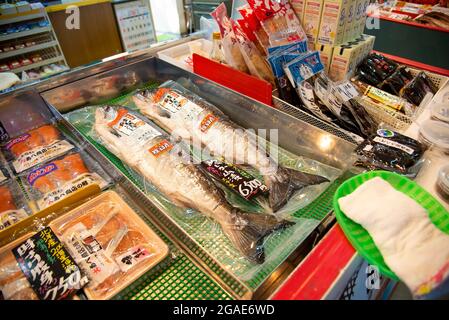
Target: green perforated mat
(277, 247)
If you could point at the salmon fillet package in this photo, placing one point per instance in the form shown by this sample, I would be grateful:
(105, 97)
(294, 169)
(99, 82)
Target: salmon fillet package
(57, 179)
(279, 21)
(13, 206)
(35, 147)
(231, 48)
(13, 283)
(111, 244)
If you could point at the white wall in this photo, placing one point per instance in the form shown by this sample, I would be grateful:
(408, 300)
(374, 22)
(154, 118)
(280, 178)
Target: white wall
(165, 15)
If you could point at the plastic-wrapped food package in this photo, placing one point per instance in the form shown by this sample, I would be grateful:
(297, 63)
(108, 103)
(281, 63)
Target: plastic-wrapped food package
(110, 243)
(198, 120)
(259, 242)
(389, 150)
(13, 284)
(253, 25)
(57, 179)
(35, 147)
(231, 48)
(375, 68)
(255, 62)
(13, 207)
(394, 83)
(416, 90)
(279, 21)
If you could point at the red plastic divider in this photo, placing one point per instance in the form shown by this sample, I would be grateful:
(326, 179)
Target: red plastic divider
(243, 83)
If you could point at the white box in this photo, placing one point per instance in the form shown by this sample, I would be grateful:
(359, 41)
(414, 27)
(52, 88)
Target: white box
(333, 19)
(179, 55)
(312, 18)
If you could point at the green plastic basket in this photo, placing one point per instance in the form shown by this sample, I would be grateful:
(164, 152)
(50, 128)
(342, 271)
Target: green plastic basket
(360, 238)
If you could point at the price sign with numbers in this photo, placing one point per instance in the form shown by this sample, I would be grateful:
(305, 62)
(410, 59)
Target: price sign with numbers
(48, 267)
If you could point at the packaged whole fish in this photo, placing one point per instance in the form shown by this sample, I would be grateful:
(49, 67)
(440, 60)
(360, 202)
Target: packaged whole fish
(12, 206)
(185, 114)
(168, 167)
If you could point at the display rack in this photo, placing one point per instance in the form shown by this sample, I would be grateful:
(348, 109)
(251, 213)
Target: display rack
(37, 38)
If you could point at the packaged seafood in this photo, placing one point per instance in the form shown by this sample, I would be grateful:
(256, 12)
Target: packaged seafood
(231, 49)
(13, 283)
(35, 147)
(375, 68)
(254, 30)
(389, 150)
(254, 60)
(170, 168)
(59, 178)
(184, 114)
(303, 67)
(110, 243)
(13, 207)
(398, 80)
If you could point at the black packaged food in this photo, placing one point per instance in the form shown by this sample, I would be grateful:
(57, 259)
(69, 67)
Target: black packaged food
(416, 90)
(399, 79)
(375, 68)
(389, 150)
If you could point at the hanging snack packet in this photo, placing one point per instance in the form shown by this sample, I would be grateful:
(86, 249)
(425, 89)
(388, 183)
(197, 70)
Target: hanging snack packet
(58, 179)
(253, 26)
(389, 150)
(257, 65)
(278, 20)
(231, 48)
(303, 67)
(36, 146)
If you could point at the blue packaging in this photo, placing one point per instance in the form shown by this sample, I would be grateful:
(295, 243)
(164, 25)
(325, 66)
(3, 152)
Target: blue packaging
(303, 67)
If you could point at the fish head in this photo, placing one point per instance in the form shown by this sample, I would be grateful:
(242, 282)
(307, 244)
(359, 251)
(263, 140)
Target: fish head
(106, 114)
(149, 103)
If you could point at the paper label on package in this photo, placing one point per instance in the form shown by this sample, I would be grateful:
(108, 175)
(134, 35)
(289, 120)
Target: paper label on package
(133, 128)
(89, 254)
(2, 176)
(41, 154)
(132, 257)
(10, 217)
(70, 187)
(347, 91)
(180, 106)
(393, 144)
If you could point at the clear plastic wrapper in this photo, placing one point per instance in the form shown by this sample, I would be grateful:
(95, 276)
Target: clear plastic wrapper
(234, 230)
(394, 83)
(13, 206)
(416, 90)
(110, 243)
(231, 48)
(375, 68)
(253, 27)
(254, 60)
(13, 284)
(35, 147)
(392, 151)
(279, 21)
(57, 179)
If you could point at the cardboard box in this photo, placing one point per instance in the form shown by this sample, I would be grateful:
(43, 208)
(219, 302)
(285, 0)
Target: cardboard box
(299, 8)
(358, 9)
(350, 18)
(343, 62)
(325, 51)
(361, 25)
(7, 8)
(23, 6)
(333, 19)
(312, 19)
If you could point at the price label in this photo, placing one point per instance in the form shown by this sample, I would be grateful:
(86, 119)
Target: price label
(347, 91)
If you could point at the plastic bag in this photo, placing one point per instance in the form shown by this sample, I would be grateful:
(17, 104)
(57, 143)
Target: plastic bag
(57, 179)
(35, 147)
(254, 30)
(279, 21)
(416, 90)
(13, 206)
(231, 48)
(110, 243)
(255, 62)
(13, 284)
(389, 150)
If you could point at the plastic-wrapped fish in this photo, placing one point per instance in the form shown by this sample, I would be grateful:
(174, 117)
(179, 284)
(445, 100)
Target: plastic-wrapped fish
(142, 146)
(179, 111)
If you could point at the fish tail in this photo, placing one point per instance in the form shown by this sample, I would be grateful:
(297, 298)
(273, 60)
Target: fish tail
(285, 182)
(248, 231)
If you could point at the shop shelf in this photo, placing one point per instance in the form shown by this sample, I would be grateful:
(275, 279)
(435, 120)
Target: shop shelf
(22, 34)
(40, 46)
